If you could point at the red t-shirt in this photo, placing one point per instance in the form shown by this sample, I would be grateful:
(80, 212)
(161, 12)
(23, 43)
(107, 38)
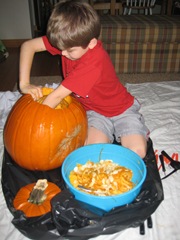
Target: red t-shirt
(93, 81)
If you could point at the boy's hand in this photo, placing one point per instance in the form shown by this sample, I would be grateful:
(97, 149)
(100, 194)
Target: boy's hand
(34, 91)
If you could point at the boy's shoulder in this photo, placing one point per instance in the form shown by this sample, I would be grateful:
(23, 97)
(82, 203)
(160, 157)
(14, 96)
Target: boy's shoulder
(100, 52)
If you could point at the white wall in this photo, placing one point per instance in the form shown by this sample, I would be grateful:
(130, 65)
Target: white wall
(15, 19)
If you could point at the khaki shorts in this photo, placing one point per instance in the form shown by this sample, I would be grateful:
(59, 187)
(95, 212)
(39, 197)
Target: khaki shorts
(129, 122)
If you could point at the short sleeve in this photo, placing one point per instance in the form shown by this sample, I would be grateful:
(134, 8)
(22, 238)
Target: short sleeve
(50, 48)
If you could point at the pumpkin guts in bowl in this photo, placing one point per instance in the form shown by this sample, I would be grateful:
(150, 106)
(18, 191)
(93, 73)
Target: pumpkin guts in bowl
(104, 178)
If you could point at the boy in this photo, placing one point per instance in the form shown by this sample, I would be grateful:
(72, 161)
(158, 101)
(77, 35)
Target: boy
(73, 31)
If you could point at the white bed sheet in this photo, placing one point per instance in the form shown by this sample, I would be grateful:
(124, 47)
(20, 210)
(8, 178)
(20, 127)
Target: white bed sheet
(161, 109)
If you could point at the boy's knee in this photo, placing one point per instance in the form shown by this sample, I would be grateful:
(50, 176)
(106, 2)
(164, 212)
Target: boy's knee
(141, 151)
(137, 144)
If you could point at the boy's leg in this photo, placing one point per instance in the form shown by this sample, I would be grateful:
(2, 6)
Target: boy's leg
(100, 128)
(96, 136)
(135, 142)
(131, 131)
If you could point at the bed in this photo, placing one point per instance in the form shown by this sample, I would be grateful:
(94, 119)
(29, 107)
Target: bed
(161, 108)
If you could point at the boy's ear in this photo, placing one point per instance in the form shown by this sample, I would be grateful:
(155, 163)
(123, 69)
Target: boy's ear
(92, 43)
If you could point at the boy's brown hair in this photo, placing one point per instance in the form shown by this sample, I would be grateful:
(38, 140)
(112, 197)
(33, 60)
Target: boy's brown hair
(72, 24)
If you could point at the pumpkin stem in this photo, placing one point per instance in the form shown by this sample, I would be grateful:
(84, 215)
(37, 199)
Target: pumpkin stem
(37, 196)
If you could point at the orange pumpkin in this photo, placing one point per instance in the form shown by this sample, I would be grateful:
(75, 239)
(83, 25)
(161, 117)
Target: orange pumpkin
(38, 137)
(34, 199)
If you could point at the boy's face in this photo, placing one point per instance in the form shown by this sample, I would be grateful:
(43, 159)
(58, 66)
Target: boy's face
(74, 53)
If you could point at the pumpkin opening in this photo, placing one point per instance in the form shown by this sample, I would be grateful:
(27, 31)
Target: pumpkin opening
(63, 104)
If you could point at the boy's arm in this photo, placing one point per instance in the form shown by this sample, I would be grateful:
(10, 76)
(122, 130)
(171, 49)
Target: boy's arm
(54, 98)
(28, 49)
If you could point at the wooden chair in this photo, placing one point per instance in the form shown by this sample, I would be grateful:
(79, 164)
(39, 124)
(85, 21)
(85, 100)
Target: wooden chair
(112, 6)
(145, 5)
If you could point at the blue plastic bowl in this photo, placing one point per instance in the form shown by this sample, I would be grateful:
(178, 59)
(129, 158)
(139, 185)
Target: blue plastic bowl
(122, 156)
